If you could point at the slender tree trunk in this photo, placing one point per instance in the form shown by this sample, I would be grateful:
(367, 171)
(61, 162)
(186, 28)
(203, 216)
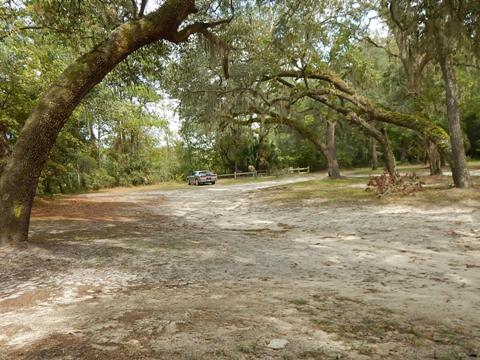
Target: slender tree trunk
(389, 158)
(260, 152)
(60, 187)
(374, 160)
(99, 143)
(48, 186)
(20, 177)
(331, 151)
(433, 157)
(460, 173)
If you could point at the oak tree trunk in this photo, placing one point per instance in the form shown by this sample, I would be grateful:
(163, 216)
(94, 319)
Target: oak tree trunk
(388, 156)
(374, 159)
(433, 157)
(460, 173)
(20, 177)
(389, 159)
(331, 152)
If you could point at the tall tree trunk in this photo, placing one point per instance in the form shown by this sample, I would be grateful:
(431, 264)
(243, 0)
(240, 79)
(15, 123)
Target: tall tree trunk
(374, 159)
(99, 143)
(260, 151)
(90, 123)
(20, 177)
(433, 157)
(388, 156)
(460, 173)
(331, 151)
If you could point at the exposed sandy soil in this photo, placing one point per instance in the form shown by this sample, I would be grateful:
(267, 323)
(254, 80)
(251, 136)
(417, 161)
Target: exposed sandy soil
(217, 272)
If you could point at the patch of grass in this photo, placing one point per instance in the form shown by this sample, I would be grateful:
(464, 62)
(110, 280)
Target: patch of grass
(365, 329)
(403, 168)
(249, 348)
(299, 302)
(194, 356)
(451, 354)
(437, 190)
(325, 190)
(365, 350)
(323, 322)
(474, 165)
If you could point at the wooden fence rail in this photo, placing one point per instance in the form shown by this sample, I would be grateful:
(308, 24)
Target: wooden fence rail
(234, 175)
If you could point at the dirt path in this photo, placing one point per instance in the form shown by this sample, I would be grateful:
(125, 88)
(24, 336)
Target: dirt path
(212, 272)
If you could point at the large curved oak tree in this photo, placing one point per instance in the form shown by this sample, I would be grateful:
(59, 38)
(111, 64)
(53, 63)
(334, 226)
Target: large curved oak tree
(21, 173)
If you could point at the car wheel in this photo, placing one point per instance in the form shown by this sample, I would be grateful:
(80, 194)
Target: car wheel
(213, 182)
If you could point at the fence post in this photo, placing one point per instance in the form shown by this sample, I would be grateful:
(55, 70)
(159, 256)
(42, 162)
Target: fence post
(235, 175)
(308, 169)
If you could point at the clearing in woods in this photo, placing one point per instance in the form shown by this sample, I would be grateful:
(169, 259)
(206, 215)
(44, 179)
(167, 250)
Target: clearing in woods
(218, 272)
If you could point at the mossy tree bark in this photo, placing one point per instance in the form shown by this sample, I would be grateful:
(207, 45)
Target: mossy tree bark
(460, 173)
(364, 106)
(20, 176)
(433, 158)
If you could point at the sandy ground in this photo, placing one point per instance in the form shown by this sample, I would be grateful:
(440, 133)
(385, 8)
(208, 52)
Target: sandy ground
(216, 272)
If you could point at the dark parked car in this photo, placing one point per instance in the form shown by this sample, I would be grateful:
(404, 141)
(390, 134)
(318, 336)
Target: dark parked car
(202, 177)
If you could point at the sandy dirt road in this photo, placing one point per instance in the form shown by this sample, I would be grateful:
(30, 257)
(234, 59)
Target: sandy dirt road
(216, 272)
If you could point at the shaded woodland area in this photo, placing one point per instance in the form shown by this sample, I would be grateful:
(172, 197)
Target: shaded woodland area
(107, 105)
